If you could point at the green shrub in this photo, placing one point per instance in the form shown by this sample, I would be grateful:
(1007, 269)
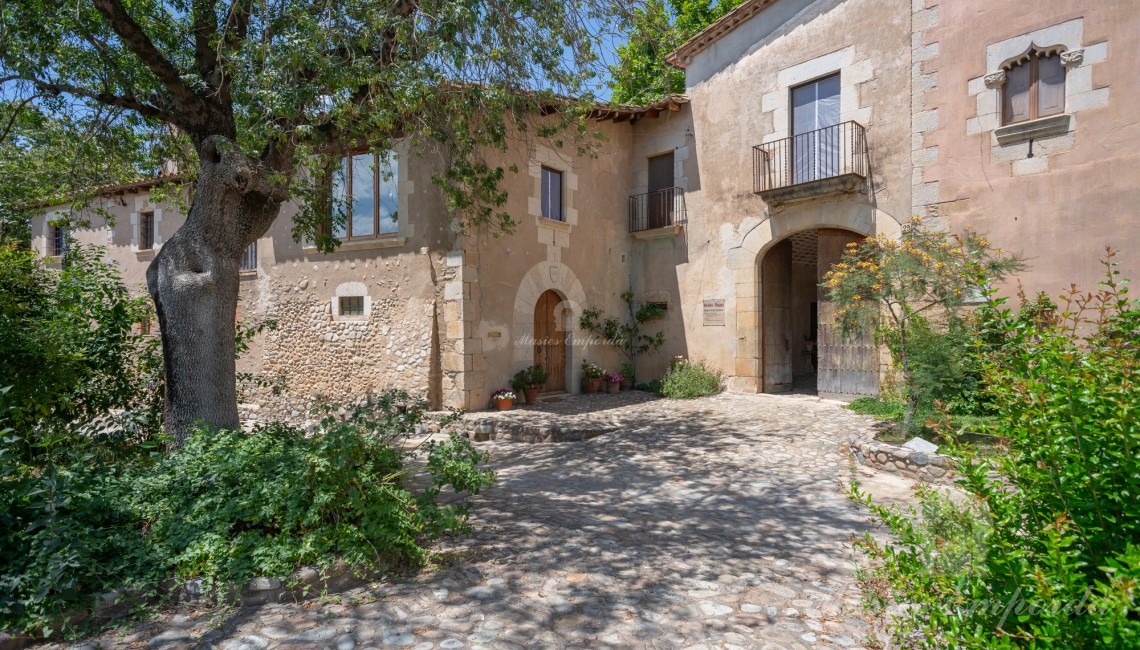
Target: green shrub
(689, 379)
(231, 506)
(945, 365)
(69, 355)
(227, 507)
(67, 531)
(1057, 513)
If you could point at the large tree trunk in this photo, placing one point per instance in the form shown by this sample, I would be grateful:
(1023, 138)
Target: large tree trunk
(194, 284)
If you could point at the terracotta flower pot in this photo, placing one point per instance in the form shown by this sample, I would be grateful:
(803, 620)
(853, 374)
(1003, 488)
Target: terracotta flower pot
(531, 395)
(626, 383)
(504, 404)
(591, 386)
(613, 386)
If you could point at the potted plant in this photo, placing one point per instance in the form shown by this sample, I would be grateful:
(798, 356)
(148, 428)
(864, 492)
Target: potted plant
(613, 382)
(503, 398)
(627, 376)
(591, 377)
(519, 385)
(536, 377)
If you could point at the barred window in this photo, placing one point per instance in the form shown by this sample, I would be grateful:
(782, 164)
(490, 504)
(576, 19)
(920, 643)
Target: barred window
(249, 258)
(146, 231)
(352, 305)
(57, 245)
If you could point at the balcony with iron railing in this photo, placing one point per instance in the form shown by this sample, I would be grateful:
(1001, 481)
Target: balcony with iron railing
(659, 211)
(831, 160)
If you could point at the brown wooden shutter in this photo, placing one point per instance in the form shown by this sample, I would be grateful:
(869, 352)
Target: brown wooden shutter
(1015, 98)
(1050, 85)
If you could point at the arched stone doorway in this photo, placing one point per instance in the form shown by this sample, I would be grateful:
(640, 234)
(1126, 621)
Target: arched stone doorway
(550, 333)
(801, 349)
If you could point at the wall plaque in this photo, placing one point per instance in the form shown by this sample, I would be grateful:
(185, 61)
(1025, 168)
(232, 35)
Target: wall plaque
(714, 312)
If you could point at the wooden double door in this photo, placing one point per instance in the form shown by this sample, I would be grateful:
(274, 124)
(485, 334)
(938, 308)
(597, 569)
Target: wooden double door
(844, 367)
(550, 332)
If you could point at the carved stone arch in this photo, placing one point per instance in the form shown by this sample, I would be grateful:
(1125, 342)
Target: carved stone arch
(1032, 50)
(542, 277)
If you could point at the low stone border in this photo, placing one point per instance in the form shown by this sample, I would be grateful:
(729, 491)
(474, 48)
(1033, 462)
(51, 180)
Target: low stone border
(930, 468)
(112, 604)
(482, 429)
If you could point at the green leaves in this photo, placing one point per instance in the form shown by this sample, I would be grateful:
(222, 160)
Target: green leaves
(656, 29)
(1058, 566)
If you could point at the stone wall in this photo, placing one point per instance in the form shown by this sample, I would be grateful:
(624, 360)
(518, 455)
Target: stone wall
(929, 468)
(316, 356)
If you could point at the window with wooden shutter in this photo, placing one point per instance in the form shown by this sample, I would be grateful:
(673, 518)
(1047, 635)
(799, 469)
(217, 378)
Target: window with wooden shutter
(1034, 87)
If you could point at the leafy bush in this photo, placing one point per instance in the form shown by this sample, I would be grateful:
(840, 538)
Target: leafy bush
(1058, 564)
(689, 379)
(227, 507)
(89, 502)
(69, 356)
(231, 506)
(67, 531)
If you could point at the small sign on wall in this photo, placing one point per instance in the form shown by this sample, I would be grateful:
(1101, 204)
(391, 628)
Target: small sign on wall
(714, 312)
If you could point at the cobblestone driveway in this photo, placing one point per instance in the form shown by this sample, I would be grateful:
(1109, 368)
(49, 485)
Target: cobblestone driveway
(714, 523)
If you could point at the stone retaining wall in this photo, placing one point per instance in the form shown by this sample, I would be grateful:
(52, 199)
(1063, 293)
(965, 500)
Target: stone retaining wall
(485, 428)
(930, 468)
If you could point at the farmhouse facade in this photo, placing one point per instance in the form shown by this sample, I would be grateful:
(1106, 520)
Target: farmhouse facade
(805, 124)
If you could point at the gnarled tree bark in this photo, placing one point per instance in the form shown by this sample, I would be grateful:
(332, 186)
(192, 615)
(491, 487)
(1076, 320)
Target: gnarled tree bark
(194, 284)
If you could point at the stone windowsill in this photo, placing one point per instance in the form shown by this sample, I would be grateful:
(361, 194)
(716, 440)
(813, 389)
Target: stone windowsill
(658, 233)
(363, 244)
(553, 224)
(143, 253)
(247, 273)
(1040, 128)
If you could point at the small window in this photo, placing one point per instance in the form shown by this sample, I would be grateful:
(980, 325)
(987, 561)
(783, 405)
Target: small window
(249, 258)
(1034, 88)
(144, 327)
(366, 187)
(551, 194)
(352, 305)
(57, 246)
(146, 231)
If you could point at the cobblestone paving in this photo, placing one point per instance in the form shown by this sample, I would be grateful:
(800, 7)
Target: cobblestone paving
(713, 523)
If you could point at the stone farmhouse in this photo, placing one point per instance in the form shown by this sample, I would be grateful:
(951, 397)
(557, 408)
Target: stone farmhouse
(805, 124)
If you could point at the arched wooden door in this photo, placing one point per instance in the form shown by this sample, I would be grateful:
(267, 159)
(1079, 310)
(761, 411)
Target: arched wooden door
(550, 341)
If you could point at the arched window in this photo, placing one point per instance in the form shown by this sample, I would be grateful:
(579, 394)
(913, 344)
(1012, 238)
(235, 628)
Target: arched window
(1034, 87)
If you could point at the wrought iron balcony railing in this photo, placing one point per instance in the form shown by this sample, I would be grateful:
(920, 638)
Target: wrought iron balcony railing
(657, 209)
(831, 152)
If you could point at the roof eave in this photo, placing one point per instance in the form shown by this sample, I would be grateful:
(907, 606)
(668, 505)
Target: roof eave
(681, 57)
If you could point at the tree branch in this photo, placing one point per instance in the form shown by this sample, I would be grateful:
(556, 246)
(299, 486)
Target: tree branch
(139, 43)
(205, 26)
(15, 114)
(146, 110)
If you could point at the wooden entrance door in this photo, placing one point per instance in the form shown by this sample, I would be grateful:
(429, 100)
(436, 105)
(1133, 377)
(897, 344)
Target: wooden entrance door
(776, 314)
(848, 367)
(550, 341)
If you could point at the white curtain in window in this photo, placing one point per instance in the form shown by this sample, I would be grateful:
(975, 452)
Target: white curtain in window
(551, 194)
(815, 130)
